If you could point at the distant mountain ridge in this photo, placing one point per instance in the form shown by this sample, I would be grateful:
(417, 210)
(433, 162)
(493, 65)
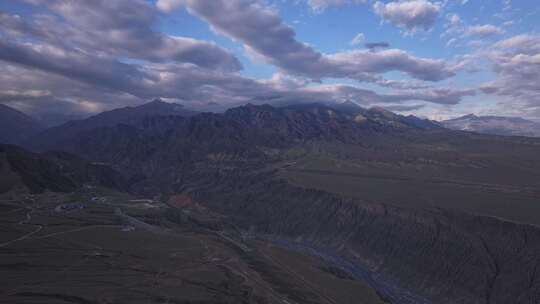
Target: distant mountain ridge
(306, 120)
(126, 115)
(383, 115)
(496, 125)
(15, 126)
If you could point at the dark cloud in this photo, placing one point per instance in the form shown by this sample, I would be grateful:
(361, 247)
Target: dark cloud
(79, 57)
(377, 45)
(116, 28)
(94, 55)
(104, 72)
(321, 5)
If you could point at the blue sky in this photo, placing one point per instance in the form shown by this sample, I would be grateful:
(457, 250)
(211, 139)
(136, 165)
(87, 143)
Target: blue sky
(442, 58)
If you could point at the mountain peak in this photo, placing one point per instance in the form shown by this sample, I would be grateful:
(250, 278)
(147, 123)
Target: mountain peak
(348, 106)
(159, 104)
(154, 102)
(159, 101)
(468, 116)
(383, 112)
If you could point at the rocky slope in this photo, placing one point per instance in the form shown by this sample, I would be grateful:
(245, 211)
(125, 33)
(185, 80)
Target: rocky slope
(15, 126)
(53, 171)
(437, 255)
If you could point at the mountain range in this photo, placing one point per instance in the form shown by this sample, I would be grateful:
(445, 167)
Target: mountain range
(497, 125)
(18, 127)
(417, 212)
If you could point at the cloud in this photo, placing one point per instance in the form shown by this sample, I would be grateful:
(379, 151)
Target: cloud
(101, 71)
(317, 6)
(483, 30)
(262, 32)
(358, 39)
(439, 95)
(524, 43)
(377, 45)
(403, 108)
(42, 93)
(168, 5)
(453, 20)
(8, 95)
(461, 34)
(516, 62)
(349, 63)
(84, 53)
(193, 86)
(282, 81)
(96, 26)
(82, 56)
(321, 5)
(367, 97)
(451, 42)
(411, 15)
(339, 93)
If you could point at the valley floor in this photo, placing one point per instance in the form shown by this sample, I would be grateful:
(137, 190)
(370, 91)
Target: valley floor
(103, 247)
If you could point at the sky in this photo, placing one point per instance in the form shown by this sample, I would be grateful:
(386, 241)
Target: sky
(435, 59)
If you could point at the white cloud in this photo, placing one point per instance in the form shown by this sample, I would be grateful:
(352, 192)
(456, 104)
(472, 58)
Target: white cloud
(262, 31)
(451, 42)
(453, 20)
(7, 95)
(516, 62)
(356, 63)
(412, 15)
(524, 43)
(483, 30)
(359, 38)
(168, 5)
